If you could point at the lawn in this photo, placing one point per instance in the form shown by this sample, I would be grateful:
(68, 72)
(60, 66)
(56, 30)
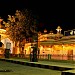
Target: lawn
(17, 69)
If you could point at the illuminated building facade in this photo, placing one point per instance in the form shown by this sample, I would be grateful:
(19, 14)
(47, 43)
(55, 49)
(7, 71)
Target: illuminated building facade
(4, 38)
(48, 43)
(56, 44)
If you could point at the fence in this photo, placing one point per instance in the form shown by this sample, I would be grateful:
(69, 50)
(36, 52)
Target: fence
(46, 56)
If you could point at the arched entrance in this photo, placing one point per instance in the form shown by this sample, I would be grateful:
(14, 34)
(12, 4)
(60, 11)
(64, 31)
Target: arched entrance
(5, 41)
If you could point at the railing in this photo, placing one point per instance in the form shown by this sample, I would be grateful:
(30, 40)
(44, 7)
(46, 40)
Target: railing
(46, 56)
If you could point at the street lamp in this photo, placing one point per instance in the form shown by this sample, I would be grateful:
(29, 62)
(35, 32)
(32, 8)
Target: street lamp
(34, 46)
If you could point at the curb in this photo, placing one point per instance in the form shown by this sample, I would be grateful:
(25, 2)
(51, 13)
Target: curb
(67, 73)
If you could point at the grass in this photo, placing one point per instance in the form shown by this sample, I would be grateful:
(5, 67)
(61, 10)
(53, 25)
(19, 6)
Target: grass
(62, 61)
(17, 69)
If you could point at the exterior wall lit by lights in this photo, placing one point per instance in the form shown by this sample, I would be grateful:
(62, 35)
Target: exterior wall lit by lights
(48, 43)
(55, 44)
(4, 39)
(63, 45)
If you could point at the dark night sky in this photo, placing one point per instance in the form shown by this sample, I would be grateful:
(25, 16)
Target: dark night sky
(51, 12)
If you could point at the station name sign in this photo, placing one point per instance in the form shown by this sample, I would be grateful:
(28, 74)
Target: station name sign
(69, 32)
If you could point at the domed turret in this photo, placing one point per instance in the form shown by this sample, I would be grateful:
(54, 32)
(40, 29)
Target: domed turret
(58, 30)
(39, 33)
(51, 32)
(45, 31)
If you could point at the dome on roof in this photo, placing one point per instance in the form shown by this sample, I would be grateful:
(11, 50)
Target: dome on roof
(51, 32)
(45, 30)
(58, 27)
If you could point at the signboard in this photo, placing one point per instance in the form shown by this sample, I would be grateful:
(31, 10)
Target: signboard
(69, 32)
(8, 45)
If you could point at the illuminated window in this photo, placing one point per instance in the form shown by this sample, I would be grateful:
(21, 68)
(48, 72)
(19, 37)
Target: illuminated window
(74, 32)
(71, 32)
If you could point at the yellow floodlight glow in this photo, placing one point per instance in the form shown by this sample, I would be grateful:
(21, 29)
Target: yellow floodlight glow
(2, 31)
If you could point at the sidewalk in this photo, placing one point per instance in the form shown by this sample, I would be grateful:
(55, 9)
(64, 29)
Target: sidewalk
(50, 63)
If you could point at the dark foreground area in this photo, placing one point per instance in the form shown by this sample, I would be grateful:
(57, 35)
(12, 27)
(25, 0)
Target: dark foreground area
(7, 68)
(19, 66)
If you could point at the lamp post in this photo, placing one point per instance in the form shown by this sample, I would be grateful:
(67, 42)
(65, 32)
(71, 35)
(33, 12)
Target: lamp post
(34, 46)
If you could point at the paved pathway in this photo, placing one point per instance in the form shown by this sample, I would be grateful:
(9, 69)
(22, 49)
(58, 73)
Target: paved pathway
(51, 63)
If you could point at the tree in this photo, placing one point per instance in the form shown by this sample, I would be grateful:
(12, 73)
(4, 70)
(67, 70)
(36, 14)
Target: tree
(21, 26)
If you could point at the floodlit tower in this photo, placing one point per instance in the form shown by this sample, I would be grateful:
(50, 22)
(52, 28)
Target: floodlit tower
(58, 30)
